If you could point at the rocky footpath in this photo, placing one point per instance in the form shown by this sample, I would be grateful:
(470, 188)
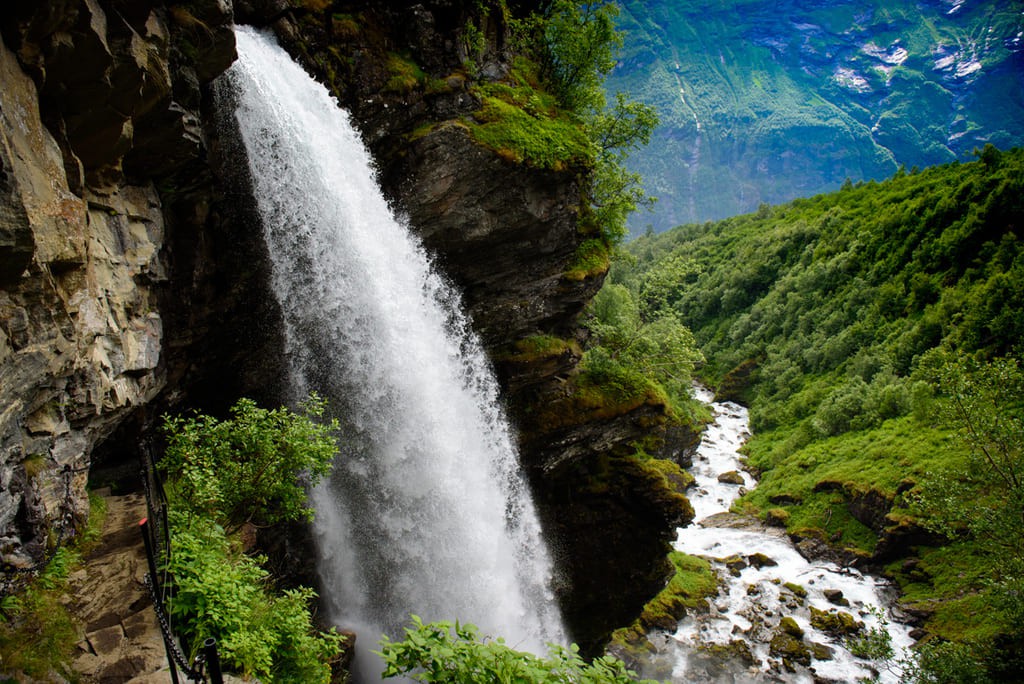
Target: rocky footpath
(108, 597)
(131, 282)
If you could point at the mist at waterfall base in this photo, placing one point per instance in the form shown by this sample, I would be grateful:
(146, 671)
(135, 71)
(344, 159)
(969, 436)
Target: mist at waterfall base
(426, 511)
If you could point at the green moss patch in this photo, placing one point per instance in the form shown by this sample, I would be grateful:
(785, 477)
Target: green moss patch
(533, 139)
(591, 259)
(405, 74)
(536, 347)
(693, 582)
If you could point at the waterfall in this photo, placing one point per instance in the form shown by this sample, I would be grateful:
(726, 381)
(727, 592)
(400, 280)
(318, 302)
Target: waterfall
(426, 511)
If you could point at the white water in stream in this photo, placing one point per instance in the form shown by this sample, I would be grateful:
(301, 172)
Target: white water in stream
(426, 511)
(752, 601)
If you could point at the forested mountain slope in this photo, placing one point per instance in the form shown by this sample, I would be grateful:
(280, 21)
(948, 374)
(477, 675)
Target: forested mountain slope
(768, 101)
(875, 334)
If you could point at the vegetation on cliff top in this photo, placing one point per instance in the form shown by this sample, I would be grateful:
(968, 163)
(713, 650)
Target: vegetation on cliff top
(551, 111)
(865, 329)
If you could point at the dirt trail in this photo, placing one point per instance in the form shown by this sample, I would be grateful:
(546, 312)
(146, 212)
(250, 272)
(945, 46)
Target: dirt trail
(122, 641)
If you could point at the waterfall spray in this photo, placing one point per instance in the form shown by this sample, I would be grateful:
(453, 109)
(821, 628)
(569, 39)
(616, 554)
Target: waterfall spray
(427, 511)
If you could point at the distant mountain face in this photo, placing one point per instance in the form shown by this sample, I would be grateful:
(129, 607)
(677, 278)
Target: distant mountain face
(768, 100)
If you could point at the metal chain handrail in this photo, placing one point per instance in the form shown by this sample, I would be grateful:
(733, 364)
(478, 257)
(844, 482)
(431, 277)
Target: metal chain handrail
(206, 664)
(193, 673)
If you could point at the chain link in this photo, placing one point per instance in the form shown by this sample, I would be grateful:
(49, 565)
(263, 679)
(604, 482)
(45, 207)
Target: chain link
(194, 673)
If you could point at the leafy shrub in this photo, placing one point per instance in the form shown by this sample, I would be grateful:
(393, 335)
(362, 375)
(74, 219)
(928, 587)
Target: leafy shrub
(251, 466)
(449, 653)
(224, 473)
(37, 632)
(222, 593)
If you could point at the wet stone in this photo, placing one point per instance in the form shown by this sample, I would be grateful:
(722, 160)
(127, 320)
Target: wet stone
(790, 626)
(835, 597)
(760, 560)
(731, 477)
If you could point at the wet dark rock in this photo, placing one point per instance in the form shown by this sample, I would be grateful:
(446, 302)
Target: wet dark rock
(731, 477)
(836, 622)
(790, 626)
(760, 560)
(776, 517)
(790, 648)
(835, 597)
(822, 651)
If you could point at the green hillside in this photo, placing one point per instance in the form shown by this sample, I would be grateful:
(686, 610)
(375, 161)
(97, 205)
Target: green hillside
(874, 333)
(768, 101)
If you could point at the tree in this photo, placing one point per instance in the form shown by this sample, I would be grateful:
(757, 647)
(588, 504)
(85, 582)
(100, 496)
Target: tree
(581, 44)
(660, 347)
(982, 506)
(985, 401)
(252, 466)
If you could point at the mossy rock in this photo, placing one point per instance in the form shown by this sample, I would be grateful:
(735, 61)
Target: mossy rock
(790, 649)
(821, 651)
(835, 597)
(591, 259)
(837, 623)
(760, 560)
(693, 582)
(731, 477)
(796, 589)
(791, 627)
(735, 564)
(737, 649)
(776, 517)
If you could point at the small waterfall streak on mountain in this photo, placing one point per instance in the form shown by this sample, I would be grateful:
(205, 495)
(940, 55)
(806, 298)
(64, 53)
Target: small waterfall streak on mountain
(427, 511)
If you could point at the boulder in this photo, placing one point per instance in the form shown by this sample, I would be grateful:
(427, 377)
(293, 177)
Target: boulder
(838, 623)
(731, 477)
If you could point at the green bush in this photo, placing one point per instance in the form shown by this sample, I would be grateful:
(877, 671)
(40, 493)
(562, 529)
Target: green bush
(449, 653)
(252, 466)
(222, 593)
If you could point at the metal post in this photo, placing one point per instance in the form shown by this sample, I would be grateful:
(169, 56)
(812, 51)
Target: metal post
(212, 661)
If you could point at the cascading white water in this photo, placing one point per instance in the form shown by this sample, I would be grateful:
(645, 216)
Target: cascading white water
(755, 596)
(426, 511)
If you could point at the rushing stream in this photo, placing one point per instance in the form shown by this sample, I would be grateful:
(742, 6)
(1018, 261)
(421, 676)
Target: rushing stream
(427, 511)
(763, 579)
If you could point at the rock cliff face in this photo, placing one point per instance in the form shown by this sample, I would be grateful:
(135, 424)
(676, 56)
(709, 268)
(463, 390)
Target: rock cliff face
(130, 281)
(98, 103)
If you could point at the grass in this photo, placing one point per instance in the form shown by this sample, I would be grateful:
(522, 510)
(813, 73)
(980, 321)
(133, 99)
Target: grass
(524, 125)
(881, 459)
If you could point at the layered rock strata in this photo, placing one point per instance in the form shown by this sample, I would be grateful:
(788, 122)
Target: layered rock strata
(99, 101)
